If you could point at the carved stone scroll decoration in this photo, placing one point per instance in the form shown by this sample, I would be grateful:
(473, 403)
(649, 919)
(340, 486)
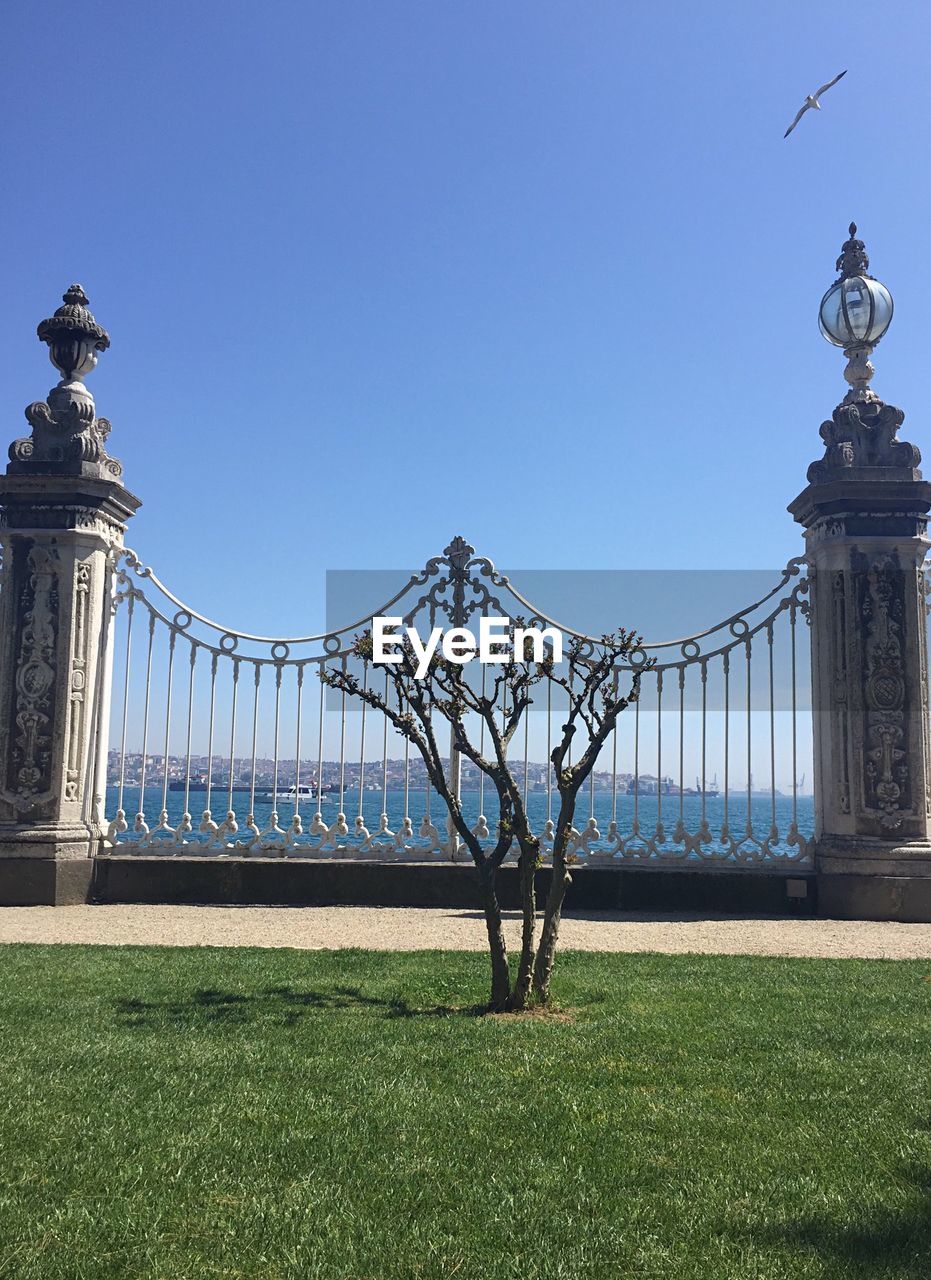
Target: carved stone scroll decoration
(886, 769)
(29, 769)
(840, 707)
(863, 435)
(77, 683)
(68, 432)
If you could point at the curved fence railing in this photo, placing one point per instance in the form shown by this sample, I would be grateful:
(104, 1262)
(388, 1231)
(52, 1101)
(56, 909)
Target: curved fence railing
(227, 743)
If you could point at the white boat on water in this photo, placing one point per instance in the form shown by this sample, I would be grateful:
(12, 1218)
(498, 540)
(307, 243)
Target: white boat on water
(287, 795)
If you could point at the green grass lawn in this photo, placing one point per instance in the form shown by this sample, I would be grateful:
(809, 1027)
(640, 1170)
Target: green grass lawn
(193, 1113)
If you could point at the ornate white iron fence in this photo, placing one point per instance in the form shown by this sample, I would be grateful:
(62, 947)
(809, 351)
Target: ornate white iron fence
(242, 722)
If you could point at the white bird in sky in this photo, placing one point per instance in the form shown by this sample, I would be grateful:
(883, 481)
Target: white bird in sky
(812, 102)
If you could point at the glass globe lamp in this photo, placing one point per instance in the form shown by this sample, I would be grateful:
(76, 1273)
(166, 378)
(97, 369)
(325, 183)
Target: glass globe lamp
(855, 312)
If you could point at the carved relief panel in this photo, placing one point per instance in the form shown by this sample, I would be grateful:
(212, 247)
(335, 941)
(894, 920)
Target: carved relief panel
(30, 694)
(887, 770)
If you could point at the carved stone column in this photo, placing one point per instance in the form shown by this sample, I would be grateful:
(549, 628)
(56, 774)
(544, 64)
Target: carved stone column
(865, 516)
(63, 512)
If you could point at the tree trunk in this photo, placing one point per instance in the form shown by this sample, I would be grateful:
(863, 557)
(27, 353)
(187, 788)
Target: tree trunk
(546, 953)
(528, 902)
(497, 947)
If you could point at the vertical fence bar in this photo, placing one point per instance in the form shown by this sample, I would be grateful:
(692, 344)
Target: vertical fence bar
(140, 816)
(659, 748)
(481, 751)
(365, 685)
(129, 634)
(190, 726)
(278, 674)
(682, 746)
(407, 784)
(704, 741)
(549, 749)
(384, 762)
(794, 741)
(235, 682)
(297, 741)
(213, 707)
(637, 766)
(749, 746)
(591, 791)
(727, 739)
(527, 755)
(255, 738)
(772, 726)
(320, 739)
(342, 745)
(171, 663)
(569, 697)
(614, 755)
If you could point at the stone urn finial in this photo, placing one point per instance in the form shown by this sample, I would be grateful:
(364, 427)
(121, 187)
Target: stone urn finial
(67, 436)
(73, 335)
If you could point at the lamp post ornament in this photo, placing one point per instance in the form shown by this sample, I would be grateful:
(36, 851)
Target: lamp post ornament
(855, 313)
(864, 511)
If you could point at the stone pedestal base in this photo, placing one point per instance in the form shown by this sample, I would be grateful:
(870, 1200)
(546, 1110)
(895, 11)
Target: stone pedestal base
(866, 879)
(865, 855)
(21, 840)
(45, 865)
(45, 882)
(903, 898)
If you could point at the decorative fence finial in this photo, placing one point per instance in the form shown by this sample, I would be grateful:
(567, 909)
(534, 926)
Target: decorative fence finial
(73, 335)
(67, 436)
(459, 552)
(853, 260)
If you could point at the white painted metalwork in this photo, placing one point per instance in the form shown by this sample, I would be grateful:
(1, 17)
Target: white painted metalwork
(451, 589)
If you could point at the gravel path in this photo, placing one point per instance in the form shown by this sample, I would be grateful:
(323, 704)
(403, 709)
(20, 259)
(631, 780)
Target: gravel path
(409, 929)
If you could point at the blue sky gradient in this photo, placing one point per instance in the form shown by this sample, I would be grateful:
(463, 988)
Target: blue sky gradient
(544, 274)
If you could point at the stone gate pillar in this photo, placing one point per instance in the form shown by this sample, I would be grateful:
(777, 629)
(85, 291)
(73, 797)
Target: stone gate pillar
(864, 511)
(63, 513)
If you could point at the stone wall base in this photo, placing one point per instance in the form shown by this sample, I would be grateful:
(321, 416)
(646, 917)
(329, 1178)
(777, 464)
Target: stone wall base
(349, 882)
(45, 882)
(875, 897)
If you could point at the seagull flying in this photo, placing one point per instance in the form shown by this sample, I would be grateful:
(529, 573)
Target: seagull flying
(812, 101)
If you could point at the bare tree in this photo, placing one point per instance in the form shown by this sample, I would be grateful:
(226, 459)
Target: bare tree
(590, 676)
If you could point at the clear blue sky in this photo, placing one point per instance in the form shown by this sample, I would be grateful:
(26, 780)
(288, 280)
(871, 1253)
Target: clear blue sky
(545, 274)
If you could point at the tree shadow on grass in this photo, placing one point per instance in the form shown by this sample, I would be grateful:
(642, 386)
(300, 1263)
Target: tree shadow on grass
(282, 1005)
(887, 1242)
